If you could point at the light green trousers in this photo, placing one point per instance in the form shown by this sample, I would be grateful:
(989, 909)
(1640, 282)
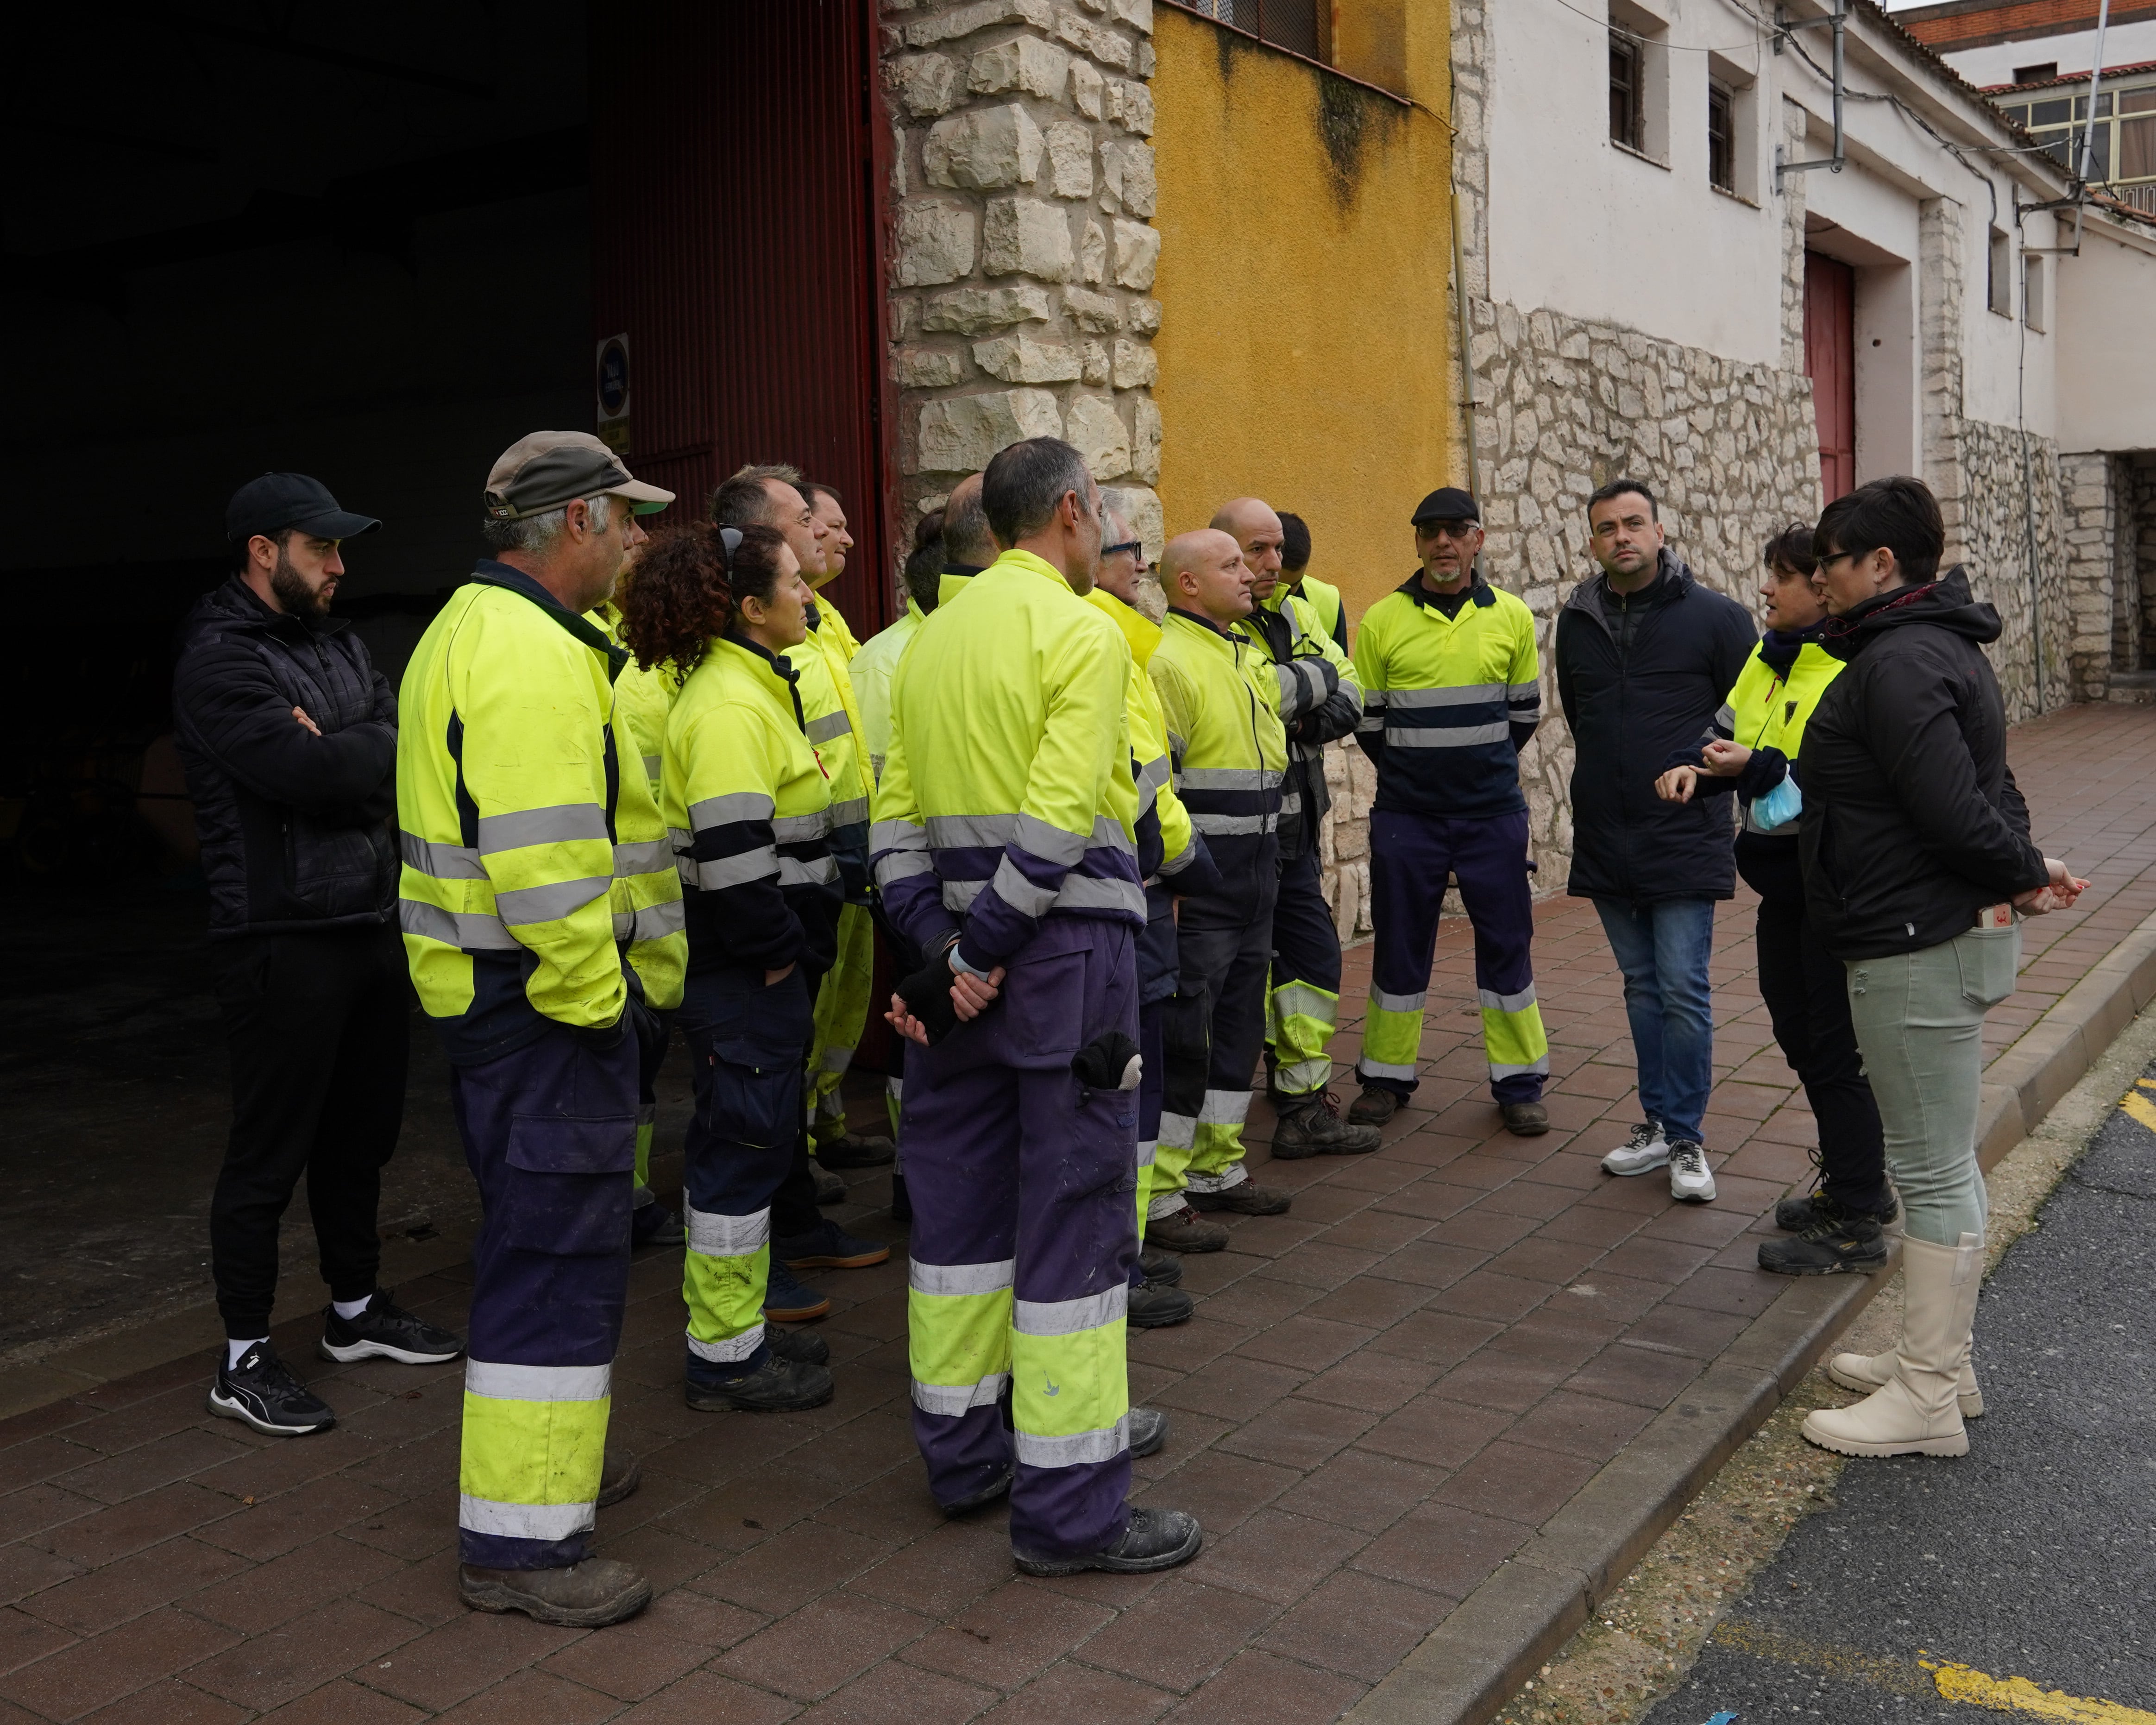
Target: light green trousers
(1919, 1018)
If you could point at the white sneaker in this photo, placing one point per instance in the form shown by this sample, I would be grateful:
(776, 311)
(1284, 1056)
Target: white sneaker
(1690, 1177)
(1643, 1152)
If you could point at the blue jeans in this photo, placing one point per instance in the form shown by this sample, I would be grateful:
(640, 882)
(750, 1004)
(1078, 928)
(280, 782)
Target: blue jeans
(1663, 949)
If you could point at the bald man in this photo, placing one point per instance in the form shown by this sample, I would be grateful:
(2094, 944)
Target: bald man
(968, 546)
(1320, 700)
(1228, 752)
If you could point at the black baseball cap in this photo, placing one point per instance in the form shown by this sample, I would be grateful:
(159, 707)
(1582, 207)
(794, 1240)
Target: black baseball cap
(278, 500)
(1447, 503)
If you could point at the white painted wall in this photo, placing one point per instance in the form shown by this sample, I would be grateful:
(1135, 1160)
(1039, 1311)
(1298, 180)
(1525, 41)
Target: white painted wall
(2107, 360)
(2123, 45)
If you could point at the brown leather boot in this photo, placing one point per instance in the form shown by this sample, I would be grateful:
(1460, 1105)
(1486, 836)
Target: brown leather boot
(1181, 1230)
(586, 1595)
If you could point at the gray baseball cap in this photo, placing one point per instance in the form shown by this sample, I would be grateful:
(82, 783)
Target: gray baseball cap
(548, 468)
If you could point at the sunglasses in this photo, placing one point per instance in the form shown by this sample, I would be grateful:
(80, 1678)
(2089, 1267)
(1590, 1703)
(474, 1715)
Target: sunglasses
(1451, 530)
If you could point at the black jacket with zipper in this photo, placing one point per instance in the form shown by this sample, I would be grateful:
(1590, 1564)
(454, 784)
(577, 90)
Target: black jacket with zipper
(293, 827)
(1912, 820)
(1641, 676)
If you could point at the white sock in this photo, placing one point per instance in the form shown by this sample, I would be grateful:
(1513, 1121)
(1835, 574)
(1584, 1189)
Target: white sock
(233, 1350)
(350, 1309)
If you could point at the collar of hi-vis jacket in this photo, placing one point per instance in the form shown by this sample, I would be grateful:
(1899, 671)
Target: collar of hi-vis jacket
(1140, 630)
(1227, 636)
(1479, 589)
(777, 663)
(952, 581)
(489, 573)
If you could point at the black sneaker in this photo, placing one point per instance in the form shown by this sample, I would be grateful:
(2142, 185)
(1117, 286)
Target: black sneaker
(262, 1391)
(1164, 1269)
(1793, 1215)
(1155, 1539)
(798, 1346)
(387, 1331)
(785, 1296)
(1150, 1308)
(1845, 1243)
(777, 1386)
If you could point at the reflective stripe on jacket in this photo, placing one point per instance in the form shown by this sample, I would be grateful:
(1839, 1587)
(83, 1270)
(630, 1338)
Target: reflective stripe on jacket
(1007, 794)
(749, 811)
(834, 727)
(1323, 598)
(1448, 702)
(1320, 700)
(531, 861)
(1220, 697)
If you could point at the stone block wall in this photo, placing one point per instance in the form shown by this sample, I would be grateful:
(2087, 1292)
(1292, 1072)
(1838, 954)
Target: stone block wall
(1020, 282)
(2104, 638)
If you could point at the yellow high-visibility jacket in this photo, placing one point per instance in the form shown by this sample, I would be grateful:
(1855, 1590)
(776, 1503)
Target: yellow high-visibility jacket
(834, 727)
(538, 878)
(1768, 709)
(1320, 701)
(1007, 794)
(1220, 697)
(871, 671)
(1323, 598)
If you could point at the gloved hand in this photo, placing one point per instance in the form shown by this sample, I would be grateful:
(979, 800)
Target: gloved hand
(1109, 1061)
(637, 1019)
(927, 996)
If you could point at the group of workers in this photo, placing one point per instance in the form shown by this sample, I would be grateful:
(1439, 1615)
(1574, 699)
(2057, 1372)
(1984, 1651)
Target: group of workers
(644, 785)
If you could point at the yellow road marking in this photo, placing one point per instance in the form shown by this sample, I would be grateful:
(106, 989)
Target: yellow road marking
(2018, 1695)
(2140, 1107)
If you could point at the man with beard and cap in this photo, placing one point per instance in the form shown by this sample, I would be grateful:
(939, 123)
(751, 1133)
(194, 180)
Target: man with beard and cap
(289, 736)
(526, 836)
(769, 495)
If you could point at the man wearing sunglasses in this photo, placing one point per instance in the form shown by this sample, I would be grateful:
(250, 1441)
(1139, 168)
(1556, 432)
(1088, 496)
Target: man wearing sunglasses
(1452, 694)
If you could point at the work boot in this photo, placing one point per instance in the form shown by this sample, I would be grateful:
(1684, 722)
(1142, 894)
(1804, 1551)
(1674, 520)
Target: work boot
(1916, 1411)
(1868, 1371)
(797, 1346)
(853, 1150)
(1245, 1197)
(1308, 1127)
(1840, 1240)
(786, 1300)
(1691, 1181)
(1646, 1150)
(777, 1386)
(996, 1488)
(387, 1331)
(1150, 1308)
(827, 1247)
(1794, 1214)
(619, 1476)
(1155, 1539)
(654, 1224)
(1164, 1269)
(830, 1188)
(586, 1595)
(1375, 1106)
(1181, 1230)
(1148, 1432)
(262, 1391)
(1522, 1120)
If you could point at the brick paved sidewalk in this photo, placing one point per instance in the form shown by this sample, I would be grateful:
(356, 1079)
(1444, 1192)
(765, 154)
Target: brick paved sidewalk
(1383, 1394)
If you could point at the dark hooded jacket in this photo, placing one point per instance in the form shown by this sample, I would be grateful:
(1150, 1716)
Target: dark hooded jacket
(293, 827)
(1912, 822)
(1641, 677)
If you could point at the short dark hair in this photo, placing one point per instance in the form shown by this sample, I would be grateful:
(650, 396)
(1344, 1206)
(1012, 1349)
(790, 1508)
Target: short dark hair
(1025, 483)
(740, 500)
(1295, 541)
(967, 538)
(1618, 488)
(811, 489)
(283, 536)
(1899, 513)
(923, 570)
(1789, 549)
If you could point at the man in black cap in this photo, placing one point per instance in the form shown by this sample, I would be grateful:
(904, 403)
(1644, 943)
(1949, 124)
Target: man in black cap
(289, 736)
(1451, 694)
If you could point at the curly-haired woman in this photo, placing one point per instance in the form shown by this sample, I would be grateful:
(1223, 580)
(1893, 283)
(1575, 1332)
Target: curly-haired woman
(749, 807)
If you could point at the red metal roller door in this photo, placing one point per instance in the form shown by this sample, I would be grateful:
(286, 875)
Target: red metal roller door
(735, 224)
(1831, 362)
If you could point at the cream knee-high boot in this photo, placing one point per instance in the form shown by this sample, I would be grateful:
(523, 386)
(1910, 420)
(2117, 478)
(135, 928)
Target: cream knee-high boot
(1870, 1371)
(1916, 1411)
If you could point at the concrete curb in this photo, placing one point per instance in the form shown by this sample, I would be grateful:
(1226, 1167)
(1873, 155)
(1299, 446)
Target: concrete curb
(1475, 1661)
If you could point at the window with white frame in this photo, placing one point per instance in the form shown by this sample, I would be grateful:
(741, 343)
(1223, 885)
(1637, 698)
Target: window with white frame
(1638, 82)
(1731, 128)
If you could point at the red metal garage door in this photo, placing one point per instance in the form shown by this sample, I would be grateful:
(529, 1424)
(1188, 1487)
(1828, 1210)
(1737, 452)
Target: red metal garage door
(1831, 362)
(734, 238)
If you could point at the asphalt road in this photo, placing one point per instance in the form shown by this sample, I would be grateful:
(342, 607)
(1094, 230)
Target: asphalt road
(2032, 1557)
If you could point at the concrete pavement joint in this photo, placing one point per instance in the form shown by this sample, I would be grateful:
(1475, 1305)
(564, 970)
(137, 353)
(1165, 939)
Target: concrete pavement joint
(1474, 1661)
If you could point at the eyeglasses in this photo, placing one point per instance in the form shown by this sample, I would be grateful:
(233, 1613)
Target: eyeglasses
(1822, 565)
(1451, 530)
(1136, 547)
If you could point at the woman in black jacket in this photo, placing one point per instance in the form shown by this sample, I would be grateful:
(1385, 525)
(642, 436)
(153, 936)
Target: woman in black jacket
(1917, 867)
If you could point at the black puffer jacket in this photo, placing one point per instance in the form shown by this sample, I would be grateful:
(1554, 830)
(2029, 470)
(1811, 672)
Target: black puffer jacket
(293, 827)
(1636, 687)
(1912, 821)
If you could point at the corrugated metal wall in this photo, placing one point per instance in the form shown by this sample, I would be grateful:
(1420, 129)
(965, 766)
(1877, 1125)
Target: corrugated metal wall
(735, 236)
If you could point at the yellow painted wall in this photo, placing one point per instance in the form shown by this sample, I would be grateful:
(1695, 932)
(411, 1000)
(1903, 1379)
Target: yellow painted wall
(1305, 322)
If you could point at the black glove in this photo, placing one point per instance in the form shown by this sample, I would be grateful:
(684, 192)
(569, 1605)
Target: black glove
(927, 996)
(1109, 1061)
(637, 1019)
